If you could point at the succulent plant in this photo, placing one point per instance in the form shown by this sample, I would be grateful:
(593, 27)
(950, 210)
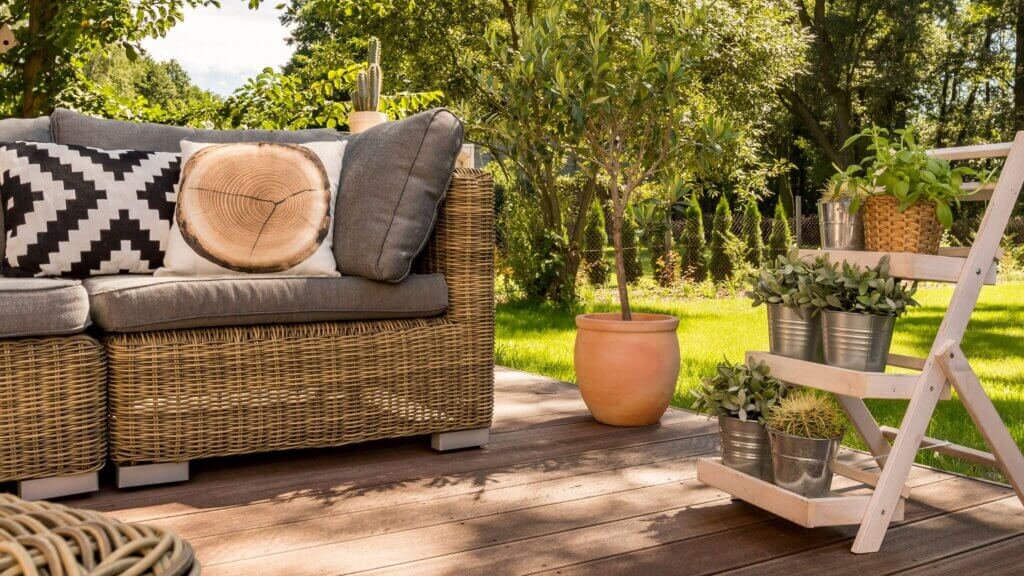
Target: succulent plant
(742, 391)
(366, 96)
(787, 281)
(806, 415)
(862, 290)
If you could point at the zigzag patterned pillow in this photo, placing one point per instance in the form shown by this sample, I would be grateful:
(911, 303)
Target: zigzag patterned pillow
(77, 211)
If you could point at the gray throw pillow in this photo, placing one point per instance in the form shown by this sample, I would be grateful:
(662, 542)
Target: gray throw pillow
(70, 127)
(393, 181)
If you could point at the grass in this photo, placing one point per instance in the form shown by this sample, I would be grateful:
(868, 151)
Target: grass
(540, 339)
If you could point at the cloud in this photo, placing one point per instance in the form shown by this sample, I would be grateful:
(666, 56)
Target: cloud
(221, 48)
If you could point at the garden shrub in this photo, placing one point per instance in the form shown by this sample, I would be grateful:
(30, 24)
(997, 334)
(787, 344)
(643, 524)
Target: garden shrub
(594, 241)
(780, 240)
(721, 238)
(752, 234)
(693, 247)
(531, 254)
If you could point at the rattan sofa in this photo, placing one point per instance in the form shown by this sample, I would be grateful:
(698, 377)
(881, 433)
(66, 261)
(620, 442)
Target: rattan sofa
(151, 401)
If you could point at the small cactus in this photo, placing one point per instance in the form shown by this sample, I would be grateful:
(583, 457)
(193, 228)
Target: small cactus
(806, 415)
(366, 96)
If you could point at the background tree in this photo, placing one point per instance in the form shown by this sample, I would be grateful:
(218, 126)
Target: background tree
(752, 233)
(595, 240)
(721, 240)
(632, 270)
(780, 240)
(694, 246)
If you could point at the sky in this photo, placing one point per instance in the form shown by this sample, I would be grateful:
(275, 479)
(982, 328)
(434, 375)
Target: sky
(222, 47)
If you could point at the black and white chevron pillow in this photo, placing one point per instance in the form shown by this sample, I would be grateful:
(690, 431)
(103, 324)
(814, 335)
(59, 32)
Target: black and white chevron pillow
(77, 211)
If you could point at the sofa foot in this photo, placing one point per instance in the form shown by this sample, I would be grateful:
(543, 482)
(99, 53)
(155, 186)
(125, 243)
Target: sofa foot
(57, 486)
(444, 441)
(150, 474)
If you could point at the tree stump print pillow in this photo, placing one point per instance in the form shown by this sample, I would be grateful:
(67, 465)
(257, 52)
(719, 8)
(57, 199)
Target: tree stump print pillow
(255, 208)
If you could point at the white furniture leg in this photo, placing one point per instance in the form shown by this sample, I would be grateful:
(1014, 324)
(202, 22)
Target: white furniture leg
(150, 474)
(983, 412)
(57, 486)
(444, 441)
(865, 425)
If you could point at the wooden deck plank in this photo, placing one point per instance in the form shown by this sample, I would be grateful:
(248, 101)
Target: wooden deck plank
(554, 491)
(999, 559)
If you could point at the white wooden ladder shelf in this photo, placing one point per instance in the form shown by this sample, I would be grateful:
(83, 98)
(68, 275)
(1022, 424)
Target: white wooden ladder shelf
(946, 366)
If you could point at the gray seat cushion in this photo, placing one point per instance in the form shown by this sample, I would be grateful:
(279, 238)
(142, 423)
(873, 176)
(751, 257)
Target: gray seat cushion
(70, 127)
(24, 129)
(392, 183)
(42, 307)
(145, 303)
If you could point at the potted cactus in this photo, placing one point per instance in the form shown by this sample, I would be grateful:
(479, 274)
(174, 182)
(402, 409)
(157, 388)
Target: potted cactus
(366, 96)
(740, 395)
(860, 307)
(786, 289)
(805, 431)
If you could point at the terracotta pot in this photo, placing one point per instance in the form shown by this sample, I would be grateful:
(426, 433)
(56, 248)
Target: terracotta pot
(360, 121)
(627, 371)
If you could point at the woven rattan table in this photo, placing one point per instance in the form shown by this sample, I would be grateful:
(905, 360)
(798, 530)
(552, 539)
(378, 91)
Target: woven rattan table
(41, 538)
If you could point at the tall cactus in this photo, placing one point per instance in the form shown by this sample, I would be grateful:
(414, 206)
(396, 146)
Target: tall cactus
(366, 96)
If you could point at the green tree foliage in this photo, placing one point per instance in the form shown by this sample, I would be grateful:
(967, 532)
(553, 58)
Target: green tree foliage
(752, 234)
(694, 245)
(56, 37)
(594, 241)
(780, 240)
(722, 237)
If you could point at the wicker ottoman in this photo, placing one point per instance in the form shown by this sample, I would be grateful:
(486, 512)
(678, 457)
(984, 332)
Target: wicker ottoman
(39, 538)
(53, 414)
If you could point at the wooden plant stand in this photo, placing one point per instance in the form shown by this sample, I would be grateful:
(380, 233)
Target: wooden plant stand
(946, 366)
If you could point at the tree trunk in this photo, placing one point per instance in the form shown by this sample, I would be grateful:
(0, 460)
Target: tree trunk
(35, 99)
(618, 211)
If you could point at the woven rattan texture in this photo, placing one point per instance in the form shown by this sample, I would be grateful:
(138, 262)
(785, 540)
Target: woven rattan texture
(40, 538)
(886, 229)
(52, 407)
(188, 394)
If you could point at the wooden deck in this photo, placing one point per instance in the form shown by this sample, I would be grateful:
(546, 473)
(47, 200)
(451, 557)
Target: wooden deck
(554, 493)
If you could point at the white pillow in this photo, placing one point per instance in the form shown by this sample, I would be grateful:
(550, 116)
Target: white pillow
(237, 212)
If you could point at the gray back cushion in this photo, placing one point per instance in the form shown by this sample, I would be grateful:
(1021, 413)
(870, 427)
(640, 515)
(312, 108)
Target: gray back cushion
(28, 130)
(70, 127)
(392, 183)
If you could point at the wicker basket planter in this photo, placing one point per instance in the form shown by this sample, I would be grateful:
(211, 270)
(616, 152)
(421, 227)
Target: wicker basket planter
(53, 407)
(42, 538)
(886, 229)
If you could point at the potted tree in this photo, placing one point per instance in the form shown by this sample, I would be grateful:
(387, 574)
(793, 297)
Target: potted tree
(806, 430)
(911, 195)
(785, 287)
(621, 81)
(366, 96)
(839, 218)
(860, 307)
(740, 396)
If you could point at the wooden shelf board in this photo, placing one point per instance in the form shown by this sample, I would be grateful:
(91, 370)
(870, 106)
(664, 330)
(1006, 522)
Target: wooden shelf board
(943, 267)
(834, 510)
(840, 380)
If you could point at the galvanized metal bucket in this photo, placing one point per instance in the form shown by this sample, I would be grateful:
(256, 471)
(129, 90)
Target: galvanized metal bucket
(840, 230)
(794, 336)
(803, 465)
(745, 447)
(857, 341)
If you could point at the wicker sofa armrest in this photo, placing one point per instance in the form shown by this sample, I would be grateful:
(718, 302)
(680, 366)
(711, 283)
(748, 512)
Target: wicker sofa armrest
(462, 247)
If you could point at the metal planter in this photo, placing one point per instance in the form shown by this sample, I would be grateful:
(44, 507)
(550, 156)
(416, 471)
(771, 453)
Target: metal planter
(840, 230)
(803, 465)
(794, 336)
(745, 447)
(857, 341)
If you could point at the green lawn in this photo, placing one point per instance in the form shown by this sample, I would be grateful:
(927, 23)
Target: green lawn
(540, 339)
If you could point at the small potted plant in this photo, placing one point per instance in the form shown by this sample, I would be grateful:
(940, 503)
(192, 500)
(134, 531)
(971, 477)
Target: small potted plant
(366, 96)
(806, 430)
(839, 220)
(860, 307)
(786, 288)
(912, 195)
(740, 395)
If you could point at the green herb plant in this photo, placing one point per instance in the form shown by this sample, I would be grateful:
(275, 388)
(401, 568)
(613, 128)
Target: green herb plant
(806, 415)
(788, 281)
(861, 290)
(898, 166)
(741, 391)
